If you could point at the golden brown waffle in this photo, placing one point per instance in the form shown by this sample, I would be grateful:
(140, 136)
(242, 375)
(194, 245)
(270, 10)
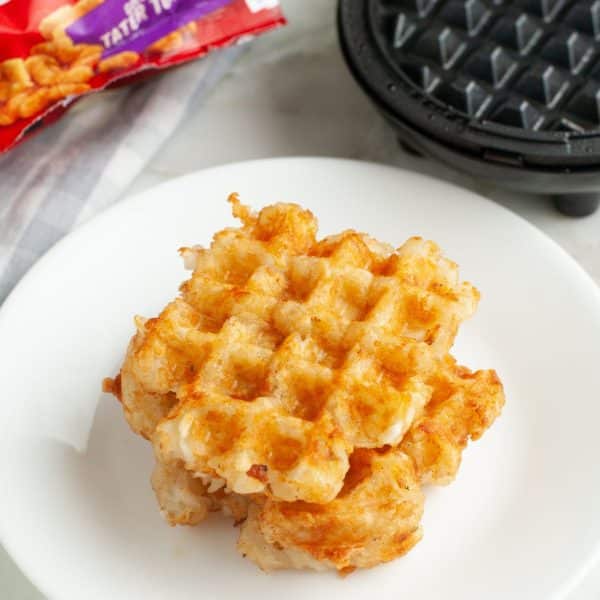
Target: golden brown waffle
(307, 379)
(374, 519)
(463, 405)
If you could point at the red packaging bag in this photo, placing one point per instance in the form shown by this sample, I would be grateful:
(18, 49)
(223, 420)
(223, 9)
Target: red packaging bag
(52, 52)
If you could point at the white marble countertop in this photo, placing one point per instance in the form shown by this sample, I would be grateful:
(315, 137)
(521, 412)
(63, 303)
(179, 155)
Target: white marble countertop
(289, 95)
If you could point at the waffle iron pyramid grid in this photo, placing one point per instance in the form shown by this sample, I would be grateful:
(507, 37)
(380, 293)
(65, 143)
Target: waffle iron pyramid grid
(530, 64)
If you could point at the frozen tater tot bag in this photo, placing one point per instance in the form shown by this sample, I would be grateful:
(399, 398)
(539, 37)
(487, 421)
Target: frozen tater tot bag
(52, 52)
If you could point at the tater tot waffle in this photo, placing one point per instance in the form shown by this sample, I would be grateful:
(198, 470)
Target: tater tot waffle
(305, 388)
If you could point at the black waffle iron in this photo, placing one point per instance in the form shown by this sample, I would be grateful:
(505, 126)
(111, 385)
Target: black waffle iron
(507, 91)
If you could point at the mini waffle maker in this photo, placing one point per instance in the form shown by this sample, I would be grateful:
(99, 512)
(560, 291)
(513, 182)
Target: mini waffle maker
(507, 91)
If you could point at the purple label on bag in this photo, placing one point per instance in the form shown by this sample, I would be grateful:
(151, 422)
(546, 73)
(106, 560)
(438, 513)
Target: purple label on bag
(120, 25)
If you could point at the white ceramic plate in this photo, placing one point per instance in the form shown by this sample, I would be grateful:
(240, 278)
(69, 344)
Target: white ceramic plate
(77, 512)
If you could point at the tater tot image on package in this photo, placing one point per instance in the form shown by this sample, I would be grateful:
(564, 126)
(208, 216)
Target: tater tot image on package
(54, 51)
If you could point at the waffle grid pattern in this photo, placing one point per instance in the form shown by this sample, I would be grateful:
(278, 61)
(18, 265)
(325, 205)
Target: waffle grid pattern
(294, 352)
(305, 389)
(529, 64)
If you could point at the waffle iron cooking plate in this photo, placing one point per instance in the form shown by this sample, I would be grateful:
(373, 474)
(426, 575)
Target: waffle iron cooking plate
(507, 91)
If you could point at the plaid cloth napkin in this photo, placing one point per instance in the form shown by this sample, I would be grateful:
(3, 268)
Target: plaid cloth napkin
(84, 163)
